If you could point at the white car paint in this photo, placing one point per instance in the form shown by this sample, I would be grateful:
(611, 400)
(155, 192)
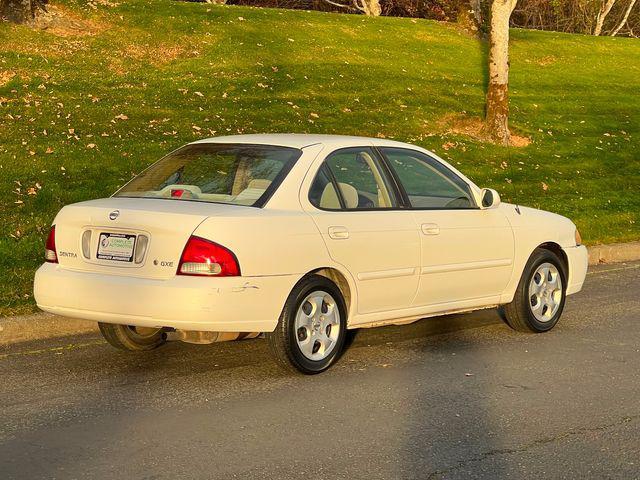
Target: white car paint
(393, 266)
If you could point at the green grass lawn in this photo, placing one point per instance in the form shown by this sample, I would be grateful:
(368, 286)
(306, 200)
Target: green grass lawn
(79, 115)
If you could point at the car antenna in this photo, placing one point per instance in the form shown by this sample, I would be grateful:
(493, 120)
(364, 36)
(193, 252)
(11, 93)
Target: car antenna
(515, 190)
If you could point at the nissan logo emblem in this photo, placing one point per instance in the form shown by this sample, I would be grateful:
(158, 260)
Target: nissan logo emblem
(115, 214)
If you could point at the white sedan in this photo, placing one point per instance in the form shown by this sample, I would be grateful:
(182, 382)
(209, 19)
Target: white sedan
(299, 238)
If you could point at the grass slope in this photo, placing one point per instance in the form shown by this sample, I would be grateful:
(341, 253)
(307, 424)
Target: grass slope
(80, 114)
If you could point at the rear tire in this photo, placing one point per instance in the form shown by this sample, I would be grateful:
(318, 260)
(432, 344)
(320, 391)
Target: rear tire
(311, 331)
(539, 299)
(131, 338)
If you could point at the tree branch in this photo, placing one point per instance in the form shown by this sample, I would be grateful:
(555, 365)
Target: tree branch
(624, 19)
(341, 5)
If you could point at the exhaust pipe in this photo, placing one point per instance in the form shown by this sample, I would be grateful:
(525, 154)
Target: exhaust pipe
(204, 338)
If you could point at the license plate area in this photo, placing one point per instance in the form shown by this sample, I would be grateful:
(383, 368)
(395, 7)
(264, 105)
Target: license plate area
(116, 247)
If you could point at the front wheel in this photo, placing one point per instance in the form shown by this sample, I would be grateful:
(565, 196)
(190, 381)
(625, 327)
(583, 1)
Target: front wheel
(127, 337)
(311, 331)
(540, 296)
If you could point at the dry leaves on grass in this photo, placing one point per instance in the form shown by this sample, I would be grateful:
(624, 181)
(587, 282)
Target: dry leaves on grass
(472, 127)
(63, 22)
(6, 76)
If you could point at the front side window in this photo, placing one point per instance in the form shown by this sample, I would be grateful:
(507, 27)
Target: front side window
(427, 182)
(220, 173)
(352, 178)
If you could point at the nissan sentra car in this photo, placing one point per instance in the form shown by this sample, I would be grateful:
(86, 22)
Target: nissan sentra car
(298, 238)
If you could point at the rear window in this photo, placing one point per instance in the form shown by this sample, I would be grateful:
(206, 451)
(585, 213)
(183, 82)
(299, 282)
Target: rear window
(218, 173)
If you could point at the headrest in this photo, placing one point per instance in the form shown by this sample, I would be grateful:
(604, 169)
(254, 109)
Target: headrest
(259, 183)
(329, 198)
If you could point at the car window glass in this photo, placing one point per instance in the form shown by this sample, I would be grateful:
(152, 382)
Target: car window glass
(362, 182)
(322, 193)
(427, 182)
(222, 173)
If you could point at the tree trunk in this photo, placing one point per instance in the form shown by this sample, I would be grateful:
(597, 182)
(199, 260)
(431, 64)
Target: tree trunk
(624, 19)
(470, 16)
(496, 126)
(369, 7)
(17, 11)
(476, 13)
(602, 14)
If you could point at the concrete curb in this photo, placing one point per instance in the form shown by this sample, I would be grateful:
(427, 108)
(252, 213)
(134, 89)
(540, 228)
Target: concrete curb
(614, 253)
(39, 326)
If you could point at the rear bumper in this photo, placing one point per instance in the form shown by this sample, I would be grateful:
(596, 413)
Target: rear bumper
(578, 259)
(231, 304)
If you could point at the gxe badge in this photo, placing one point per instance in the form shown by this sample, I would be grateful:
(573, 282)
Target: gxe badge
(115, 214)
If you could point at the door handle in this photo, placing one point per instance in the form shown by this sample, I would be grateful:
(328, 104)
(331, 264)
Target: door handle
(338, 233)
(430, 228)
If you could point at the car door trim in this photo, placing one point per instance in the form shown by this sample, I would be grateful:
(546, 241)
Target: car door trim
(454, 267)
(399, 272)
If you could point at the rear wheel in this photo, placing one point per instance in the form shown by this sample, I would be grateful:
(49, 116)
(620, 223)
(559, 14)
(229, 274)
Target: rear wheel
(540, 296)
(311, 331)
(127, 337)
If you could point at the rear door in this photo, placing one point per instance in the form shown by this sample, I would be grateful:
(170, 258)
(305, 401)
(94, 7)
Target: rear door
(357, 211)
(466, 252)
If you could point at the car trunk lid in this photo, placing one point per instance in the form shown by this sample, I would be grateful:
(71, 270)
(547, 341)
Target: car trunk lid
(125, 236)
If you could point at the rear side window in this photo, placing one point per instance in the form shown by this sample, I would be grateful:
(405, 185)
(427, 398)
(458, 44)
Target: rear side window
(427, 182)
(352, 178)
(220, 173)
(323, 193)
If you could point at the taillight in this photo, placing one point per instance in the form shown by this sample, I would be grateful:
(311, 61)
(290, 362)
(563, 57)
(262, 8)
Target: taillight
(50, 247)
(204, 258)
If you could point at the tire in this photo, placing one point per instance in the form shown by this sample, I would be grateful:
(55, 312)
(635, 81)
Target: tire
(540, 297)
(129, 338)
(312, 328)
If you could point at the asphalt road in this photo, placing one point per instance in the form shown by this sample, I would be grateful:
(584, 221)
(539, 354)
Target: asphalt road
(451, 397)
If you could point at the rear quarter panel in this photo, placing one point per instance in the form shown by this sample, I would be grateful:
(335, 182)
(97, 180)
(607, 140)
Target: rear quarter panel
(269, 242)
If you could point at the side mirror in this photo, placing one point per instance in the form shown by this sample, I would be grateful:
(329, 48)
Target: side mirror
(490, 198)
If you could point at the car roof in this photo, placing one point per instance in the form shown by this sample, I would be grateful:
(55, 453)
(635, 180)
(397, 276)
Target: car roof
(301, 140)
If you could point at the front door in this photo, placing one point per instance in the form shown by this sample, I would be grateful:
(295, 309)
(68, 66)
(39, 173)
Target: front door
(466, 252)
(466, 256)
